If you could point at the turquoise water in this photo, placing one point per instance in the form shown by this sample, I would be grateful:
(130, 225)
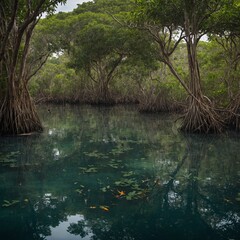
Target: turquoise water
(112, 173)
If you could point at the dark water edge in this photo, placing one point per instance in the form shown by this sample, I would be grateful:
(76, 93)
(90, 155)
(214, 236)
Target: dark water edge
(112, 173)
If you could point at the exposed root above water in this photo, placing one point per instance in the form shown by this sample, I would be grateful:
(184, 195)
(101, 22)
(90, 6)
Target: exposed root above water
(233, 114)
(18, 116)
(201, 117)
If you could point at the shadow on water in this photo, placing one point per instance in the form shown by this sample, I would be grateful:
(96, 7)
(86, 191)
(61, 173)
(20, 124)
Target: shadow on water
(197, 207)
(111, 173)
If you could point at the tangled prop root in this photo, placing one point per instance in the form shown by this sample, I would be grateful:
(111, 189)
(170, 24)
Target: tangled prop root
(232, 118)
(19, 116)
(201, 118)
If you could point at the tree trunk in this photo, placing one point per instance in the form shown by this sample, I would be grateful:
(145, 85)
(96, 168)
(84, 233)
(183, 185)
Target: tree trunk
(17, 111)
(200, 116)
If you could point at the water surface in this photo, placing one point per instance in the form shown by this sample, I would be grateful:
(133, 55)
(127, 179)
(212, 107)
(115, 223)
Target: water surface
(112, 173)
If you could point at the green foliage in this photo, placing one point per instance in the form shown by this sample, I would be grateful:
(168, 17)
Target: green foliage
(162, 12)
(207, 14)
(90, 169)
(103, 6)
(227, 19)
(56, 81)
(10, 203)
(102, 50)
(212, 69)
(103, 39)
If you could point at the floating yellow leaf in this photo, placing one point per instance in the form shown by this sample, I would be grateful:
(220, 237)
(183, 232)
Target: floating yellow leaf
(93, 207)
(121, 193)
(104, 208)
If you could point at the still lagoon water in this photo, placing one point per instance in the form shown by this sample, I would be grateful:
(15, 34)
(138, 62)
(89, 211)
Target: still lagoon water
(112, 173)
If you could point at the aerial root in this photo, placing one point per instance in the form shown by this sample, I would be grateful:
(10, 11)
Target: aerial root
(232, 119)
(201, 118)
(18, 116)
